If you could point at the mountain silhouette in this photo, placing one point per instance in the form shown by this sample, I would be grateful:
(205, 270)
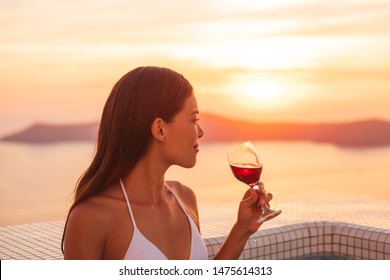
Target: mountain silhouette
(49, 133)
(217, 128)
(359, 133)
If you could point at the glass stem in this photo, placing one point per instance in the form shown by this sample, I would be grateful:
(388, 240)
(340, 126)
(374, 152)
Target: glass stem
(260, 188)
(267, 213)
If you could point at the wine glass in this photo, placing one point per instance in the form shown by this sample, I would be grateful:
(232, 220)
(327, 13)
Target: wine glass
(247, 167)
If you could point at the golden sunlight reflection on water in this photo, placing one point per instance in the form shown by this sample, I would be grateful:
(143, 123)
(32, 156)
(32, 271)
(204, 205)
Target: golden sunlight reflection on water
(36, 181)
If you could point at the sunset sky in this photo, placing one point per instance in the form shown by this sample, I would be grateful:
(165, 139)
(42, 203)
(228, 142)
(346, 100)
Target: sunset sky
(300, 60)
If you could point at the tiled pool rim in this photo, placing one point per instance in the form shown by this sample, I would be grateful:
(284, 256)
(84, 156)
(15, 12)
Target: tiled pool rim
(309, 240)
(312, 240)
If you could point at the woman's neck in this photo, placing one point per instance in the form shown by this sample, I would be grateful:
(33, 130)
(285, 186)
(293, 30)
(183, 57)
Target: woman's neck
(145, 183)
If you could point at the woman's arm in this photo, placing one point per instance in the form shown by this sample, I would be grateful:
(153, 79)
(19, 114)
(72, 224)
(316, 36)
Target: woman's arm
(248, 214)
(84, 238)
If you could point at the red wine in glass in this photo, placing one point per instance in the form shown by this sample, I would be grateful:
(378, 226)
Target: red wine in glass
(247, 167)
(247, 173)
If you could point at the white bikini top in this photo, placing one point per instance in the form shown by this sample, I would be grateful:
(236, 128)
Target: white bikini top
(141, 248)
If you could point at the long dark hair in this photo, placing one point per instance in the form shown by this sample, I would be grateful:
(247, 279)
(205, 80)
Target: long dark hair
(139, 97)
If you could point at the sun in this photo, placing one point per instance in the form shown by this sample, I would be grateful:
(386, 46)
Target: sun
(255, 92)
(263, 91)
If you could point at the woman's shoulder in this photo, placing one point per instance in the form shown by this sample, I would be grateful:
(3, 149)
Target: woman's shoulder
(186, 196)
(95, 211)
(85, 231)
(90, 212)
(185, 192)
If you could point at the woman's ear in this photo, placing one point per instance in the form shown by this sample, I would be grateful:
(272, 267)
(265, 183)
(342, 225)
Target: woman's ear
(157, 129)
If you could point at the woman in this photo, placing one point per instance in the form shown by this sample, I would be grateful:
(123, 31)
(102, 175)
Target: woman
(123, 208)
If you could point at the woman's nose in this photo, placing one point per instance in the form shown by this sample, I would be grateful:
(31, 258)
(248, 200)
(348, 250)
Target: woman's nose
(200, 131)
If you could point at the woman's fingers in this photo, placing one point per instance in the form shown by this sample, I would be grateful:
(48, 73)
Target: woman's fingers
(250, 198)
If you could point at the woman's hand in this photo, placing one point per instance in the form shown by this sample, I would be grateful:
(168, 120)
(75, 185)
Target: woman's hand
(250, 209)
(249, 212)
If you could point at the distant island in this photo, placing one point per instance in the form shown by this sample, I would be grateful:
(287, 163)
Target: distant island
(41, 133)
(353, 134)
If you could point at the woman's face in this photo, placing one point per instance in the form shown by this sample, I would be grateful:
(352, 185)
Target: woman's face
(183, 135)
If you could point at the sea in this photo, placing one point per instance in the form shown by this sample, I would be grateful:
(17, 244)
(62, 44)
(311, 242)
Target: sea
(37, 181)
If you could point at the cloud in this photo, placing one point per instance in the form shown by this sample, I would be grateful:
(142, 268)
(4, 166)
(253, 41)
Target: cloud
(319, 18)
(320, 49)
